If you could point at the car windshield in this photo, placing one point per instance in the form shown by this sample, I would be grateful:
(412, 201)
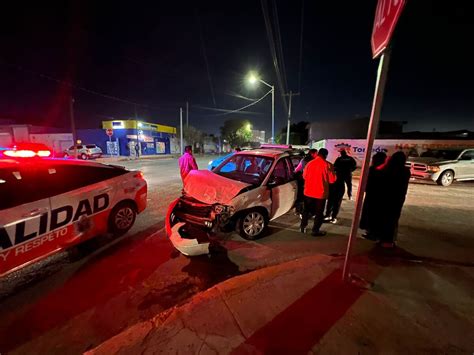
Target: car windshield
(250, 169)
(442, 154)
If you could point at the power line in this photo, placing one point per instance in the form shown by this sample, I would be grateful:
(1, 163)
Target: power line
(80, 88)
(246, 106)
(203, 50)
(279, 46)
(271, 43)
(301, 46)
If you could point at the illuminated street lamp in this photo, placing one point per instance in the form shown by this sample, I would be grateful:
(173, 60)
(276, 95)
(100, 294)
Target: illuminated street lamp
(253, 79)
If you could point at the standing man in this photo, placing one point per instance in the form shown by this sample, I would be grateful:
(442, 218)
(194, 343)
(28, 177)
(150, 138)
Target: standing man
(313, 153)
(187, 162)
(318, 174)
(344, 166)
(137, 149)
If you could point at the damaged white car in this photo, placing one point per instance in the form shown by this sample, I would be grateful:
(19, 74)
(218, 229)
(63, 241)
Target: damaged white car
(244, 192)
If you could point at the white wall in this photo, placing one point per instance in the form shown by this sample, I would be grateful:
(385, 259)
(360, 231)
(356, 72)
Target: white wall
(356, 147)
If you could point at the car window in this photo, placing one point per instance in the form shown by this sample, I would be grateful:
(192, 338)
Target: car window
(250, 169)
(280, 173)
(17, 187)
(91, 146)
(79, 147)
(59, 179)
(295, 160)
(469, 155)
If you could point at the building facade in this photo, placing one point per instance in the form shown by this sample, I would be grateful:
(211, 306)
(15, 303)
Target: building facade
(151, 138)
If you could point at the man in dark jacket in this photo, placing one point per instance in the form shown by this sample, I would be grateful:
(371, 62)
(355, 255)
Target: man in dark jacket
(345, 165)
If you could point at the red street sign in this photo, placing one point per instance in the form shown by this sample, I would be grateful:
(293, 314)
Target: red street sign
(386, 17)
(109, 132)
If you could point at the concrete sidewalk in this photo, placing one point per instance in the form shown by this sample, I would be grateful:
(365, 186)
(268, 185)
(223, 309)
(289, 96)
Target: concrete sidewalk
(302, 306)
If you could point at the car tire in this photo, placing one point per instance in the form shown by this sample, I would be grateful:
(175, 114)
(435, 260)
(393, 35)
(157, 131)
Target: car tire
(122, 218)
(446, 178)
(252, 224)
(84, 156)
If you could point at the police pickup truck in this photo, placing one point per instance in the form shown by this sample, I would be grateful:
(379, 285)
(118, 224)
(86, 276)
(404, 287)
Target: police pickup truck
(50, 204)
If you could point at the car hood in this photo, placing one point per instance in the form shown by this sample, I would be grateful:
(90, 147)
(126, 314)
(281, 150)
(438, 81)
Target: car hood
(208, 187)
(429, 160)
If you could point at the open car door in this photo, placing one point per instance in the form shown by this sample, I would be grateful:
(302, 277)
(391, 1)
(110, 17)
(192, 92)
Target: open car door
(283, 187)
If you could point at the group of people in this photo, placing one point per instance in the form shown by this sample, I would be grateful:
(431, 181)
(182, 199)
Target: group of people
(324, 185)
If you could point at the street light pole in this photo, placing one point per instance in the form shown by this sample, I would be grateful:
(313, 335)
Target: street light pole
(252, 80)
(273, 114)
(291, 94)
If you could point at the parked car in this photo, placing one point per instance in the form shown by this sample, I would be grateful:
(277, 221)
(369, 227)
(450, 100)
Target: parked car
(84, 151)
(245, 192)
(216, 162)
(443, 166)
(47, 205)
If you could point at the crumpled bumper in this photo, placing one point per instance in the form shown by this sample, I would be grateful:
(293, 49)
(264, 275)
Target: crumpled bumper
(183, 242)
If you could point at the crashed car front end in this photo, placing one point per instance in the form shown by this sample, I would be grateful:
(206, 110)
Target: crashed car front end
(204, 208)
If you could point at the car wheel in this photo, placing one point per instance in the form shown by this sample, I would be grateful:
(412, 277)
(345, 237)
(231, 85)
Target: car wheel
(122, 218)
(84, 156)
(446, 178)
(252, 224)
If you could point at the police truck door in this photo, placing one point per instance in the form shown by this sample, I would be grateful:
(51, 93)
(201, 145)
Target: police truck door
(24, 211)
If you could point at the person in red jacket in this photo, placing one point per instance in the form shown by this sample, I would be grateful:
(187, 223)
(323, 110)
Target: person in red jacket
(318, 174)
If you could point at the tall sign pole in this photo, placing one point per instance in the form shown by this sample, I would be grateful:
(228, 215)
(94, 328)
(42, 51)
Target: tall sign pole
(387, 14)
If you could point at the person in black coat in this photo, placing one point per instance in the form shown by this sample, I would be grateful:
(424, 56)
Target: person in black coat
(345, 165)
(394, 179)
(371, 212)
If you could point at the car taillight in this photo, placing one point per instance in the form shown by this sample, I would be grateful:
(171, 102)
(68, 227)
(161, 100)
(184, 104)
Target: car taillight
(139, 175)
(20, 153)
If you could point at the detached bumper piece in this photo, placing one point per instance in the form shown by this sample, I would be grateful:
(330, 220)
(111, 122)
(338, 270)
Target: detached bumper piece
(185, 237)
(187, 246)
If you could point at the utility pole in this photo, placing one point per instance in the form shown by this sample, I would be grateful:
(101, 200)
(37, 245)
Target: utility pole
(181, 129)
(291, 94)
(73, 125)
(187, 114)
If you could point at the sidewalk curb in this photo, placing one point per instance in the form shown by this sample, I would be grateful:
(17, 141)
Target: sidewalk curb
(213, 301)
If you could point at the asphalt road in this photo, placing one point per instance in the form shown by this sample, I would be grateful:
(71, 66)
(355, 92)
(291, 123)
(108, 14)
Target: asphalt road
(77, 299)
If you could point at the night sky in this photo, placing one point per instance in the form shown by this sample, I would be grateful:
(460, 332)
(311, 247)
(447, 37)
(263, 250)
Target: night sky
(148, 58)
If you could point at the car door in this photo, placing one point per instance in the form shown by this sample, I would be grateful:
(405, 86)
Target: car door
(24, 211)
(83, 200)
(465, 165)
(283, 188)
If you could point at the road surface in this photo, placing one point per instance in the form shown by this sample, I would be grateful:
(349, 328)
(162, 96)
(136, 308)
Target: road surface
(74, 301)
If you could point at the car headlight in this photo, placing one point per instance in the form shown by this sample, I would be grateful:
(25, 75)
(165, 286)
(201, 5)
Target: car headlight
(433, 168)
(219, 209)
(210, 163)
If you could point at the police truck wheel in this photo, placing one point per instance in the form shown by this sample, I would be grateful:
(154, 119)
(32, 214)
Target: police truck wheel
(446, 178)
(122, 218)
(84, 156)
(252, 224)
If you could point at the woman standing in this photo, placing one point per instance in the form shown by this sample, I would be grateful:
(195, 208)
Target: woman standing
(394, 177)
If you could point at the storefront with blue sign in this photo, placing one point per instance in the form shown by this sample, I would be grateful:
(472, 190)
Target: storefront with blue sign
(130, 137)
